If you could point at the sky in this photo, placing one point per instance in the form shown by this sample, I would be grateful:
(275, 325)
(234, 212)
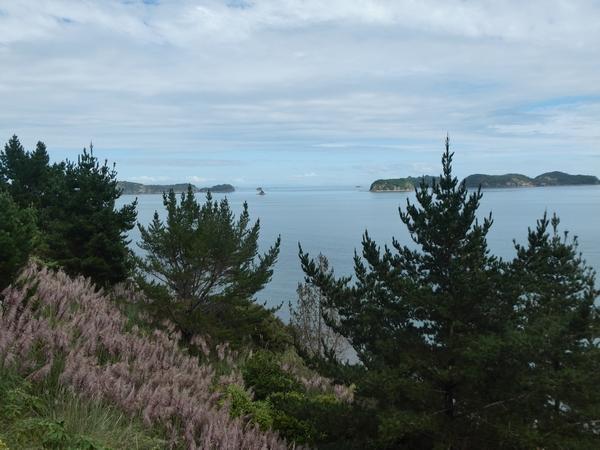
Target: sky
(304, 92)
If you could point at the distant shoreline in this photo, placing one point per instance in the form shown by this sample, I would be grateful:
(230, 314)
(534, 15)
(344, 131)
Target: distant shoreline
(506, 181)
(131, 188)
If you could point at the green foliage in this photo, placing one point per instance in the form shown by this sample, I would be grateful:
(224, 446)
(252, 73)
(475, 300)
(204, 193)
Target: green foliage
(400, 184)
(242, 405)
(263, 372)
(18, 238)
(81, 230)
(205, 268)
(311, 334)
(460, 349)
(561, 327)
(315, 418)
(320, 420)
(26, 176)
(59, 420)
(86, 235)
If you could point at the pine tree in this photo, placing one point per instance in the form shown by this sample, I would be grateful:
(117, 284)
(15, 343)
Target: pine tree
(313, 337)
(561, 327)
(208, 267)
(432, 324)
(27, 176)
(18, 238)
(12, 159)
(86, 234)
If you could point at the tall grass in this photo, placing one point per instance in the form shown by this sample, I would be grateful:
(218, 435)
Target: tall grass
(33, 417)
(62, 332)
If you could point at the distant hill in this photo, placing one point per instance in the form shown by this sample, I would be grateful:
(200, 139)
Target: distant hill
(130, 188)
(218, 189)
(509, 180)
(561, 179)
(399, 184)
(518, 180)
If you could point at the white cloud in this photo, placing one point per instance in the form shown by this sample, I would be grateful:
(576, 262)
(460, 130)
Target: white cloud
(185, 21)
(386, 77)
(196, 179)
(146, 179)
(306, 175)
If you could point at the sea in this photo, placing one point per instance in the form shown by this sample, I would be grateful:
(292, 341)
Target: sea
(332, 221)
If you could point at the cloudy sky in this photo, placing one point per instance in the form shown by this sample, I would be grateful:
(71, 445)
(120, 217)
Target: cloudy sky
(304, 92)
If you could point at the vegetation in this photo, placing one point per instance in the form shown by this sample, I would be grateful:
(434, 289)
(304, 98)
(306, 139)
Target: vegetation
(204, 269)
(74, 203)
(560, 325)
(509, 180)
(33, 418)
(518, 180)
(312, 336)
(399, 184)
(218, 189)
(86, 234)
(26, 176)
(461, 349)
(499, 181)
(562, 179)
(305, 410)
(18, 238)
(129, 188)
(456, 348)
(61, 331)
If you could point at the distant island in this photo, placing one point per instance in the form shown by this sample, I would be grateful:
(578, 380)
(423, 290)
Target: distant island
(130, 188)
(509, 180)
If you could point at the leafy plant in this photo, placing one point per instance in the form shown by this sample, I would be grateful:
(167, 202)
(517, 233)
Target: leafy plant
(263, 372)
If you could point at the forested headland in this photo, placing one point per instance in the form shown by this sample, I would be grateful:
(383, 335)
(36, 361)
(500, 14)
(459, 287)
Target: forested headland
(130, 188)
(509, 180)
(455, 347)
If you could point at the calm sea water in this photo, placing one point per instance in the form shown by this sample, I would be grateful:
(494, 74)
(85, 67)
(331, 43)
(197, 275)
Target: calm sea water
(332, 221)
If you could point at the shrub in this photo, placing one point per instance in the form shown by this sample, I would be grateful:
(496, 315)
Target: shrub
(242, 405)
(263, 373)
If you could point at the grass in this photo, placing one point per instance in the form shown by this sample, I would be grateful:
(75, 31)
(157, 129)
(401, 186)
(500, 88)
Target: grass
(33, 417)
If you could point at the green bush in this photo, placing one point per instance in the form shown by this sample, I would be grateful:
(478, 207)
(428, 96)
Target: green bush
(241, 405)
(317, 419)
(321, 420)
(265, 376)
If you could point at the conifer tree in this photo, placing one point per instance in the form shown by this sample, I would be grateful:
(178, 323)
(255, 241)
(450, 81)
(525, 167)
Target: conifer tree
(27, 176)
(561, 328)
(86, 234)
(207, 264)
(431, 323)
(312, 336)
(18, 238)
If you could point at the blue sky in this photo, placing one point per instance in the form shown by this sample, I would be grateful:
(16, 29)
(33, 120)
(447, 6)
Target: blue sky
(304, 92)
